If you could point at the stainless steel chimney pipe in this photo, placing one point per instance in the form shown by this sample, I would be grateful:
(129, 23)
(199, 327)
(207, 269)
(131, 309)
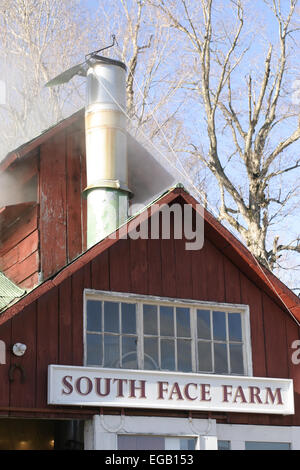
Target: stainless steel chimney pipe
(107, 189)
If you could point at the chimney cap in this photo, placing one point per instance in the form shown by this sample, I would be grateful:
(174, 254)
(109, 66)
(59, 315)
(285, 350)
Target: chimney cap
(96, 59)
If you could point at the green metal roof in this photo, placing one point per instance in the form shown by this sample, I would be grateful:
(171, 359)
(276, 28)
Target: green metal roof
(9, 292)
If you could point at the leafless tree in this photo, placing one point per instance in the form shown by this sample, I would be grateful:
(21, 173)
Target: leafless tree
(256, 175)
(145, 45)
(197, 87)
(37, 40)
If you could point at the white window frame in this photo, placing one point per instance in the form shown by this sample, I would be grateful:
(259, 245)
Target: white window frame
(91, 294)
(239, 434)
(101, 432)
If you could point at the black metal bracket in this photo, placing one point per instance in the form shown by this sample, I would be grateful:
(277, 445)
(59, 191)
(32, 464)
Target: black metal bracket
(92, 54)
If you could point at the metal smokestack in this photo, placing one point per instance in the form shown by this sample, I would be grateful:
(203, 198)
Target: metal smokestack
(107, 189)
(106, 142)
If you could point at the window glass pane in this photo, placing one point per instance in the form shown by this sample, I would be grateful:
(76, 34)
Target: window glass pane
(150, 319)
(203, 324)
(127, 442)
(141, 442)
(94, 315)
(166, 321)
(129, 352)
(223, 445)
(183, 322)
(235, 326)
(236, 358)
(128, 318)
(187, 444)
(167, 348)
(204, 356)
(111, 317)
(267, 445)
(184, 357)
(151, 353)
(150, 443)
(165, 335)
(111, 351)
(94, 350)
(219, 325)
(220, 356)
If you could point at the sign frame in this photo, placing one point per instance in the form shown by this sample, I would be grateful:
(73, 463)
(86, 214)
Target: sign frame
(130, 388)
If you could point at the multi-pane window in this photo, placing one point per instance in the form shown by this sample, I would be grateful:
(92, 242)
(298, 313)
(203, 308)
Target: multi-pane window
(220, 341)
(138, 333)
(167, 338)
(223, 445)
(111, 334)
(131, 442)
(251, 445)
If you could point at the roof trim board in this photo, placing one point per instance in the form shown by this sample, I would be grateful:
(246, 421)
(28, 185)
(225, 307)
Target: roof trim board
(28, 147)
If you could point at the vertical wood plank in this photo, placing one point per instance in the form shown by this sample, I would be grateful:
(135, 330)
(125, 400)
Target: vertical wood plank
(77, 317)
(154, 268)
(183, 261)
(232, 282)
(80, 280)
(100, 272)
(251, 295)
(5, 335)
(74, 196)
(53, 237)
(275, 339)
(139, 266)
(47, 341)
(215, 277)
(168, 263)
(199, 281)
(119, 264)
(22, 394)
(65, 341)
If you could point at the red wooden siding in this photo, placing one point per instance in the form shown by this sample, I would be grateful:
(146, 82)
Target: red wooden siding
(51, 171)
(52, 326)
(65, 339)
(252, 296)
(19, 255)
(53, 204)
(5, 335)
(24, 329)
(73, 196)
(19, 238)
(63, 208)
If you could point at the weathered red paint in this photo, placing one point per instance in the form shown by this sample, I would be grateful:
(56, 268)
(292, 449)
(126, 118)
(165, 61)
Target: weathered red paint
(50, 318)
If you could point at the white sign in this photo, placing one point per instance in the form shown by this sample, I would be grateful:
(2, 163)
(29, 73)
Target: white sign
(90, 386)
(2, 352)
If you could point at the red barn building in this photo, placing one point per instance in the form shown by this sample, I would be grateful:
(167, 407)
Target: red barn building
(101, 329)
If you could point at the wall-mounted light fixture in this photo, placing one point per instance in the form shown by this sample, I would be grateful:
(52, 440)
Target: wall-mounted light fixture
(19, 349)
